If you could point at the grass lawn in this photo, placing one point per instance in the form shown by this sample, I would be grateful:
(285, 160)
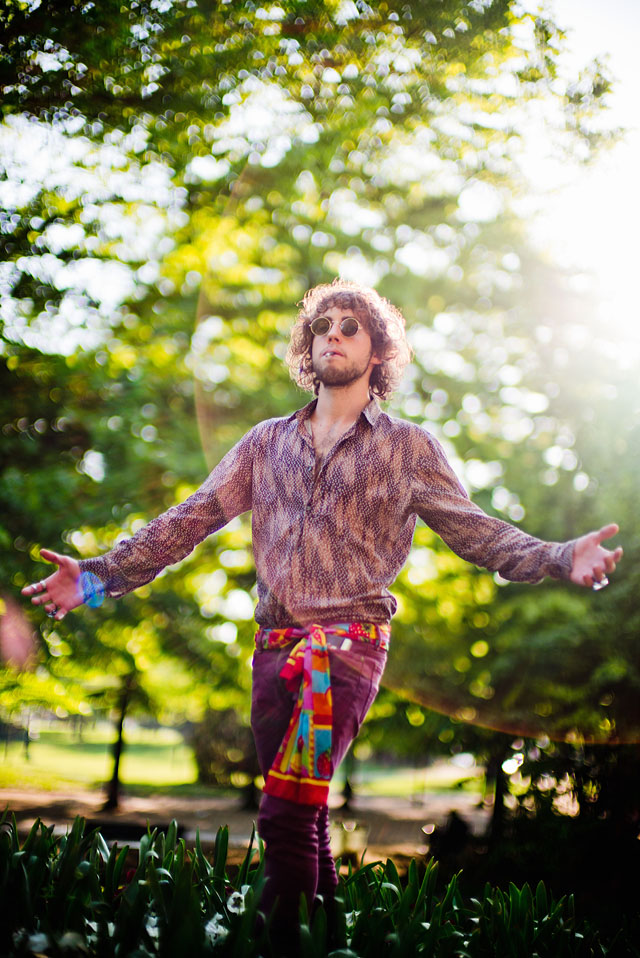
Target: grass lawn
(58, 759)
(403, 782)
(156, 759)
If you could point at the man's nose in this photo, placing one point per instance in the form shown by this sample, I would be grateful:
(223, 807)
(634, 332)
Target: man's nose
(334, 331)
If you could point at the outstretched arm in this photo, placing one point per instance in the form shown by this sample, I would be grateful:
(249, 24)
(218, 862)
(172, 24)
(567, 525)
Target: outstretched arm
(60, 592)
(133, 562)
(592, 563)
(495, 544)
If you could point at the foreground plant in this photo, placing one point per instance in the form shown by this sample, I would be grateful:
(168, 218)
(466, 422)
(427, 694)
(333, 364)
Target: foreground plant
(73, 895)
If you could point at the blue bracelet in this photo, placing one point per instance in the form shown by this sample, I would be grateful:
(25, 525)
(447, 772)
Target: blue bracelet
(92, 590)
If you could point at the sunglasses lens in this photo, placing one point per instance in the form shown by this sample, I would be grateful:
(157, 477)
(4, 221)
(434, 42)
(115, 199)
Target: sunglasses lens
(320, 326)
(349, 326)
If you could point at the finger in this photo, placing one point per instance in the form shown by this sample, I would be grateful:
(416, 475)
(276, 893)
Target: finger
(35, 587)
(50, 556)
(607, 532)
(41, 598)
(587, 581)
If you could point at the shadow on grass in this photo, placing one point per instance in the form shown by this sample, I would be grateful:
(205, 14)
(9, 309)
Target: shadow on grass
(188, 790)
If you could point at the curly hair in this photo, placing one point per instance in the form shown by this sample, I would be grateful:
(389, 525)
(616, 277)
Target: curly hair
(384, 323)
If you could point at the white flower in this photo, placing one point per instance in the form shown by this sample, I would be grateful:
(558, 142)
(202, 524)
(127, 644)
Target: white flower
(38, 941)
(235, 903)
(351, 918)
(215, 930)
(152, 926)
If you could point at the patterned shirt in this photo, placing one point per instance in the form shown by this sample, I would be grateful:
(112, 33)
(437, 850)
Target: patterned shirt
(329, 537)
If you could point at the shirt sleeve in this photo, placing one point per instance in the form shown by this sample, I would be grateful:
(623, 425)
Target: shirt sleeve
(225, 493)
(441, 501)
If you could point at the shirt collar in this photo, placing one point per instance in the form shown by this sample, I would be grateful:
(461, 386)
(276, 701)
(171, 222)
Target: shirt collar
(304, 413)
(371, 412)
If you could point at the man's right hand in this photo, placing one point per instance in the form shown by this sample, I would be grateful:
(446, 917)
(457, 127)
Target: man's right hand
(60, 592)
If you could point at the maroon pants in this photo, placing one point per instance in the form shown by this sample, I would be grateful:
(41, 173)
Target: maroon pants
(297, 854)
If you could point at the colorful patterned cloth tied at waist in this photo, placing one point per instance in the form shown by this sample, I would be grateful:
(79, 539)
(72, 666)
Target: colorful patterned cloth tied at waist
(302, 769)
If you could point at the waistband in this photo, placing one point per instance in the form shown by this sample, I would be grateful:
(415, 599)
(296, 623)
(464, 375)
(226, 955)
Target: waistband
(338, 634)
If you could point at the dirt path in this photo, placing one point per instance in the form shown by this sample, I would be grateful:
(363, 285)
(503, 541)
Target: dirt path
(387, 827)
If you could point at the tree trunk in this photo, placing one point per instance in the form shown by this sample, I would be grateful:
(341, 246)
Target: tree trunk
(113, 789)
(496, 774)
(349, 766)
(250, 797)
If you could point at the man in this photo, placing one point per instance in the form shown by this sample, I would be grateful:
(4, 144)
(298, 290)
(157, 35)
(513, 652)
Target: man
(335, 490)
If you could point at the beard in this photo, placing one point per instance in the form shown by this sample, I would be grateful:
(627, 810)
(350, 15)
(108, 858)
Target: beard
(337, 376)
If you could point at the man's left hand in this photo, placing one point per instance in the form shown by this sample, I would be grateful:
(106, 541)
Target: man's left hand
(592, 563)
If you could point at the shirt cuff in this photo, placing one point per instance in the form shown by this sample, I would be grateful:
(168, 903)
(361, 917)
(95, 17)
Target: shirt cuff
(561, 560)
(94, 568)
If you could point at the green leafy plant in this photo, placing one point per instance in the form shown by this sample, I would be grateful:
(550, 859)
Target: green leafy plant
(73, 895)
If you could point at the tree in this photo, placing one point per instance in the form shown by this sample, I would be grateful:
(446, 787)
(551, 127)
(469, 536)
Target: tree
(224, 160)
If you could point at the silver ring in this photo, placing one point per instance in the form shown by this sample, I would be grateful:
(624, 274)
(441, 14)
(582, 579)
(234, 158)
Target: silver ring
(602, 584)
(53, 612)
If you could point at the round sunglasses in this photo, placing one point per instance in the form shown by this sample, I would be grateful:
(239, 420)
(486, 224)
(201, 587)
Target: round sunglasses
(322, 324)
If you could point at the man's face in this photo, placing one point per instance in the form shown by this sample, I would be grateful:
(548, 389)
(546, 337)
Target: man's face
(340, 360)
